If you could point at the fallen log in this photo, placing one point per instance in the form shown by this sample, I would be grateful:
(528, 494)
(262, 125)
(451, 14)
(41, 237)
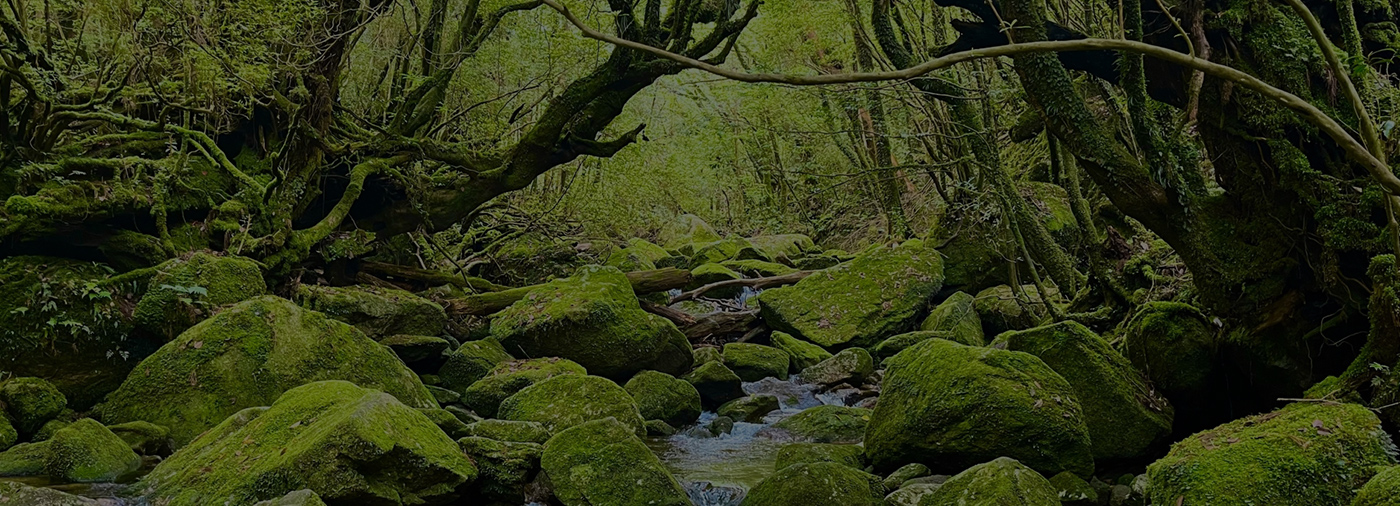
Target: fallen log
(754, 283)
(720, 323)
(682, 319)
(643, 282)
(432, 278)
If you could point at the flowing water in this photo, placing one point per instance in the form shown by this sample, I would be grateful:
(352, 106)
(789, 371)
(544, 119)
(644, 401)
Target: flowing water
(717, 471)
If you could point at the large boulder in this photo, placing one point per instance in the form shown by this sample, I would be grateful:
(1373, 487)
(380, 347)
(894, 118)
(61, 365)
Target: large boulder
(1001, 308)
(801, 354)
(593, 318)
(378, 312)
(19, 494)
(750, 408)
(787, 247)
(8, 435)
(822, 424)
(715, 383)
(686, 229)
(753, 362)
(603, 462)
(715, 273)
(1305, 453)
(248, 355)
(349, 445)
(1176, 347)
(951, 406)
(485, 396)
(661, 396)
(187, 289)
(807, 453)
(81, 452)
(851, 366)
(758, 268)
(1381, 490)
(895, 344)
(817, 484)
(510, 431)
(472, 361)
(1125, 416)
(956, 316)
(31, 402)
(1001, 482)
(506, 468)
(572, 399)
(877, 295)
(734, 248)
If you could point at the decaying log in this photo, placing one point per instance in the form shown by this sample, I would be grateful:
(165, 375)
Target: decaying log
(682, 319)
(643, 282)
(755, 283)
(720, 323)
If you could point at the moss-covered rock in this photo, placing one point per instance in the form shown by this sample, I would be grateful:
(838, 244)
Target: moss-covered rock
(185, 290)
(93, 350)
(706, 354)
(485, 396)
(749, 409)
(753, 362)
(879, 294)
(1003, 481)
(19, 494)
(144, 438)
(715, 273)
(734, 248)
(8, 435)
(248, 355)
(807, 453)
(471, 362)
(603, 462)
(445, 420)
(303, 497)
(86, 452)
(801, 354)
(50, 427)
(1381, 490)
(1125, 416)
(1073, 490)
(628, 260)
(416, 349)
(851, 366)
(715, 383)
(816, 484)
(1305, 453)
(378, 312)
(24, 459)
(1175, 346)
(510, 431)
(572, 399)
(895, 344)
(758, 268)
(645, 249)
(593, 318)
(1000, 310)
(660, 396)
(31, 402)
(350, 445)
(950, 406)
(789, 246)
(956, 316)
(686, 229)
(904, 473)
(823, 424)
(658, 428)
(506, 468)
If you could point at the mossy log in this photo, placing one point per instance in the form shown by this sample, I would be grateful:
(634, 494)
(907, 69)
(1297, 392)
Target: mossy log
(643, 282)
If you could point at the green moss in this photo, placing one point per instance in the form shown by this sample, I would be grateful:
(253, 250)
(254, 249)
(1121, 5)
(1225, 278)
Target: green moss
(1000, 310)
(714, 273)
(1305, 453)
(1331, 388)
(1125, 416)
(734, 248)
(950, 406)
(128, 250)
(849, 455)
(716, 384)
(758, 268)
(346, 443)
(603, 462)
(248, 355)
(789, 246)
(31, 402)
(850, 366)
(378, 312)
(647, 250)
(892, 346)
(801, 354)
(956, 316)
(19, 494)
(85, 452)
(816, 484)
(471, 362)
(705, 354)
(572, 399)
(628, 260)
(144, 438)
(415, 349)
(187, 289)
(445, 420)
(1001, 481)
(905, 473)
(687, 229)
(485, 396)
(1174, 345)
(1381, 490)
(753, 362)
(8, 435)
(825, 424)
(660, 396)
(592, 318)
(510, 431)
(50, 427)
(879, 294)
(304, 497)
(658, 428)
(1073, 490)
(750, 408)
(24, 459)
(1051, 203)
(506, 467)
